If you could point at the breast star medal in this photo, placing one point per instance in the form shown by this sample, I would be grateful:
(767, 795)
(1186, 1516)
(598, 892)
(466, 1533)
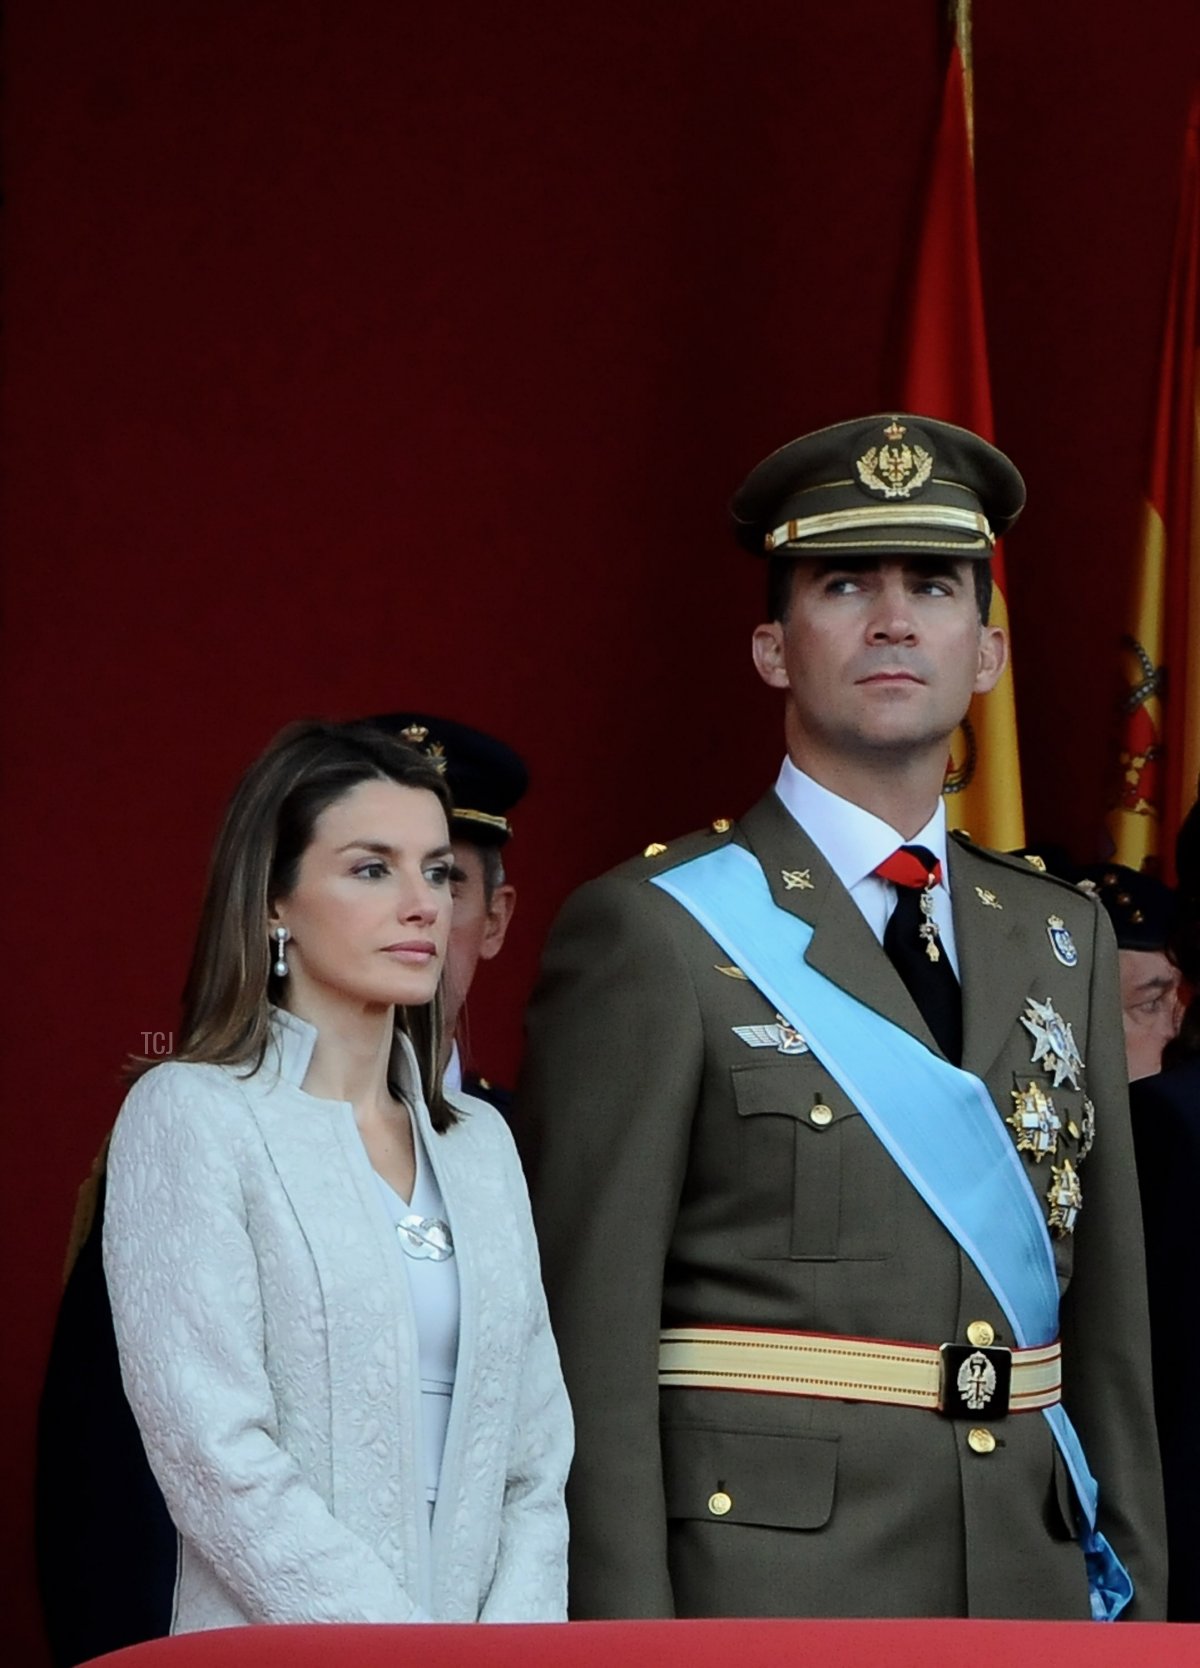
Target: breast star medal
(1065, 1198)
(1061, 941)
(1053, 1043)
(1035, 1121)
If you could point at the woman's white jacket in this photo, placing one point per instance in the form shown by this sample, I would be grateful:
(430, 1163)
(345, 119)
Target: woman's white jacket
(268, 1351)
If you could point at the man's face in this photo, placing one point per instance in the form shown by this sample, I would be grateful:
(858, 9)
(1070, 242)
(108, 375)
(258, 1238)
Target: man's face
(878, 657)
(477, 929)
(1150, 1008)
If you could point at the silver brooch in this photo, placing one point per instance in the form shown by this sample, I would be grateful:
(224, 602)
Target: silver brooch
(425, 1236)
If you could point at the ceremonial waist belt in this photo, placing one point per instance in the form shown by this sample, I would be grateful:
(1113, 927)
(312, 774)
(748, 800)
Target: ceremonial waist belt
(958, 1380)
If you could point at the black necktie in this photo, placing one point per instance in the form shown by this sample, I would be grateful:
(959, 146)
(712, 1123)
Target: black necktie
(914, 949)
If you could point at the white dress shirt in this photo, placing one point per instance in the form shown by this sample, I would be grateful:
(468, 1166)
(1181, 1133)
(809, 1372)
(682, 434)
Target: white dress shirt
(854, 843)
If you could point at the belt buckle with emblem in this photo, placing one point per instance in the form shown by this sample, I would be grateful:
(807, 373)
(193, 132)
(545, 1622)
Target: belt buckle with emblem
(973, 1381)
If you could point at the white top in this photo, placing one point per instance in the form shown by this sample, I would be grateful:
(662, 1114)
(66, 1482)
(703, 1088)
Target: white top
(433, 1286)
(854, 843)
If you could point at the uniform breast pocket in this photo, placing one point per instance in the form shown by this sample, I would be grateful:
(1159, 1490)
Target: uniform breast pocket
(818, 1185)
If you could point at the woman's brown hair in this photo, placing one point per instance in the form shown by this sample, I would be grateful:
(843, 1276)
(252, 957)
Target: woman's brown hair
(231, 983)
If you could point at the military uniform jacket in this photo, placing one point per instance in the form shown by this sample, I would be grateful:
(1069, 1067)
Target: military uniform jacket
(678, 1179)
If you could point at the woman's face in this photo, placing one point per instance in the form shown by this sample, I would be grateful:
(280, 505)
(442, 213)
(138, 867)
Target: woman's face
(369, 914)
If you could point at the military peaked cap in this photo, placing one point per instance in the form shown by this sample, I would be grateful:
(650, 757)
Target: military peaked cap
(485, 777)
(892, 484)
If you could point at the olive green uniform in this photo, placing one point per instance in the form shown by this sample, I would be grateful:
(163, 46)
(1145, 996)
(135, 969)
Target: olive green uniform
(678, 1179)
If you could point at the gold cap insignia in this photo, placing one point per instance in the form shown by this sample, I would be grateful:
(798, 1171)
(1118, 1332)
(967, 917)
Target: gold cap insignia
(414, 734)
(896, 469)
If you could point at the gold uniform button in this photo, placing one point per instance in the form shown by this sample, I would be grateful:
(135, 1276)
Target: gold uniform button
(721, 825)
(654, 849)
(980, 1334)
(821, 1115)
(719, 1503)
(980, 1441)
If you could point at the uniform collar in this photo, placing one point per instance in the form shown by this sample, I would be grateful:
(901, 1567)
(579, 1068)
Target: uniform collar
(854, 842)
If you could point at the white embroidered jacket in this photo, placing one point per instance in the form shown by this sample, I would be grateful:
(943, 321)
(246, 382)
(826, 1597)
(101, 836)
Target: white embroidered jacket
(268, 1351)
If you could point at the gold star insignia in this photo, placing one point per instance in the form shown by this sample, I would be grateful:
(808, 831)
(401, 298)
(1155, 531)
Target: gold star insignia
(797, 880)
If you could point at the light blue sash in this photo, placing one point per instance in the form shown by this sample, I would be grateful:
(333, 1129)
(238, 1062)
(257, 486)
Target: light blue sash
(943, 1131)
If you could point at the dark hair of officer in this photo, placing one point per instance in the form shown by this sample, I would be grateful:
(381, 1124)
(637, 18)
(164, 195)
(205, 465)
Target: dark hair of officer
(780, 570)
(268, 826)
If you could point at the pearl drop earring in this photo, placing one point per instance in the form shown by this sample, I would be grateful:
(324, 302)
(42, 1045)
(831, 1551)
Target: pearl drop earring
(281, 967)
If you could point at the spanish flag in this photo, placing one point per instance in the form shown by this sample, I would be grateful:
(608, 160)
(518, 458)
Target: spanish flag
(946, 376)
(1159, 745)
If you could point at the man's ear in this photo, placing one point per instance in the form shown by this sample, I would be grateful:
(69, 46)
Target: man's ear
(499, 914)
(766, 646)
(993, 658)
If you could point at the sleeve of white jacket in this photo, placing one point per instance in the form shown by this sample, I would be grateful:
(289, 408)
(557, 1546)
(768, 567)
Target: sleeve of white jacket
(532, 1557)
(184, 1287)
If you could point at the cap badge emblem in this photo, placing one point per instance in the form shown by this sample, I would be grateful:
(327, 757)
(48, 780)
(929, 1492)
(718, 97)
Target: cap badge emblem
(1054, 1044)
(1061, 941)
(1065, 1198)
(414, 734)
(895, 469)
(436, 753)
(1035, 1121)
